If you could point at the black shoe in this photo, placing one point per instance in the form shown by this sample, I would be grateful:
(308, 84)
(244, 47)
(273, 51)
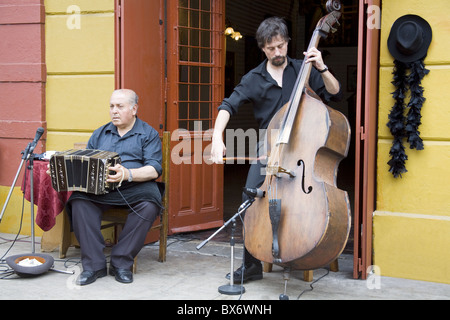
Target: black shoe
(251, 272)
(121, 275)
(88, 277)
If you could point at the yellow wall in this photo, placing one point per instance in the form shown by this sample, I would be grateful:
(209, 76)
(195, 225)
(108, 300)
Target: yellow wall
(80, 80)
(80, 67)
(412, 221)
(411, 226)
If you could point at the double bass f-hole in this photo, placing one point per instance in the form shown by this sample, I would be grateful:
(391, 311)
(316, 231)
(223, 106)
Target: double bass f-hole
(310, 188)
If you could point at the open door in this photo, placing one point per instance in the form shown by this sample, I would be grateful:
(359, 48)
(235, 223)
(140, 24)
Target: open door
(171, 54)
(139, 60)
(195, 82)
(366, 133)
(140, 56)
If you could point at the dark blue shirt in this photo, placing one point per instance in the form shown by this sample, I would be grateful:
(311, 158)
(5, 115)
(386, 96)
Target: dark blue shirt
(258, 87)
(141, 146)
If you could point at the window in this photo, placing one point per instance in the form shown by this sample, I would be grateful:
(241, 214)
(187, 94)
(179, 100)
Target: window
(199, 59)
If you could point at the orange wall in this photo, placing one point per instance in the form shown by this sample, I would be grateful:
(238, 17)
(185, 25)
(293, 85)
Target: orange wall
(22, 81)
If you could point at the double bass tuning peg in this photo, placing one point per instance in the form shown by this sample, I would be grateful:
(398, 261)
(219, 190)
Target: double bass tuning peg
(333, 5)
(333, 29)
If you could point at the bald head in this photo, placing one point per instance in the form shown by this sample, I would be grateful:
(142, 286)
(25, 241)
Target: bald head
(123, 109)
(132, 97)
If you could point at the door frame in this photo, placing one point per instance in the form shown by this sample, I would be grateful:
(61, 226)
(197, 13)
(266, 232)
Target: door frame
(365, 128)
(366, 139)
(196, 190)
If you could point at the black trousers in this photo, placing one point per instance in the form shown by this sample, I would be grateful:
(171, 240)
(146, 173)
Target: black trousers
(255, 178)
(86, 219)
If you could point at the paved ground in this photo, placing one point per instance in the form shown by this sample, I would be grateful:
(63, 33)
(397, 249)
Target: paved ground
(190, 274)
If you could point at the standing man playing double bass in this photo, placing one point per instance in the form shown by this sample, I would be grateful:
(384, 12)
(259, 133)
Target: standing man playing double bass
(268, 87)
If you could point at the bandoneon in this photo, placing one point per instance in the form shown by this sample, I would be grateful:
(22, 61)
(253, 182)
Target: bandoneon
(84, 170)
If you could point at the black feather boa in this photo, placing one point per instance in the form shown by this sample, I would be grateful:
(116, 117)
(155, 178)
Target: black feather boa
(402, 126)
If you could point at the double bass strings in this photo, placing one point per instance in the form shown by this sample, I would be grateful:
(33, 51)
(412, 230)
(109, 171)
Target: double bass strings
(299, 86)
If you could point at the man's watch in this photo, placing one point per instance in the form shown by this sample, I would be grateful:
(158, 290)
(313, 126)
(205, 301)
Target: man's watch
(323, 70)
(130, 176)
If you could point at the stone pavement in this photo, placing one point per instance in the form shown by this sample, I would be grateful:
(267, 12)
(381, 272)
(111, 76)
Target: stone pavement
(191, 274)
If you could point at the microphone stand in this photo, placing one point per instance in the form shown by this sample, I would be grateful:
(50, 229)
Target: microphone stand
(12, 188)
(27, 156)
(30, 168)
(231, 289)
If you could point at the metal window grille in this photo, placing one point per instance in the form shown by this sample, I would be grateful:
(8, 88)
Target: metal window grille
(200, 49)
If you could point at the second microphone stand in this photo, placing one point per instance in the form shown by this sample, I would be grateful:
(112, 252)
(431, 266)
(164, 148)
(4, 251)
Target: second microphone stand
(27, 156)
(231, 289)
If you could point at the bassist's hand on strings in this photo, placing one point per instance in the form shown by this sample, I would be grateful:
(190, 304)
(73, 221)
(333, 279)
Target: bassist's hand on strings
(314, 56)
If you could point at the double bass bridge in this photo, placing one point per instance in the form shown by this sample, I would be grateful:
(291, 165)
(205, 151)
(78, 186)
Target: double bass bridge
(276, 170)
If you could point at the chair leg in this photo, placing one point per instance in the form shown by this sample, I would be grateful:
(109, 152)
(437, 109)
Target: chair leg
(135, 265)
(66, 236)
(163, 238)
(334, 266)
(308, 275)
(162, 247)
(267, 267)
(165, 214)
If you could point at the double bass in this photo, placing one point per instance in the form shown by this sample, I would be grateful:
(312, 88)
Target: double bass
(303, 221)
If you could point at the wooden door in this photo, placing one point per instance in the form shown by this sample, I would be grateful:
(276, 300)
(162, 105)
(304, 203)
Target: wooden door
(366, 135)
(171, 54)
(140, 56)
(195, 85)
(140, 60)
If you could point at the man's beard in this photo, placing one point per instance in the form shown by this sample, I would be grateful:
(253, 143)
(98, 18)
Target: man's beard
(278, 61)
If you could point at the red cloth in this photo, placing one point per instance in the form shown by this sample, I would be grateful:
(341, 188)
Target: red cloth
(49, 202)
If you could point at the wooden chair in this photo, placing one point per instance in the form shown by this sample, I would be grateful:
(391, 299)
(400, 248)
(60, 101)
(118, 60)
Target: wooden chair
(116, 217)
(307, 274)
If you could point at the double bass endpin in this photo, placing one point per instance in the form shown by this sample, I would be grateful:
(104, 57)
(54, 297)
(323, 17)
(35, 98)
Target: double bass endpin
(286, 276)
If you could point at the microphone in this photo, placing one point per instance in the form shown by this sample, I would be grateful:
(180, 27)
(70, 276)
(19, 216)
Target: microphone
(254, 192)
(30, 148)
(39, 133)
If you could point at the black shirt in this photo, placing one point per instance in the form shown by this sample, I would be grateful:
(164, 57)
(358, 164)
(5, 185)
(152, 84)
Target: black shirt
(258, 87)
(141, 146)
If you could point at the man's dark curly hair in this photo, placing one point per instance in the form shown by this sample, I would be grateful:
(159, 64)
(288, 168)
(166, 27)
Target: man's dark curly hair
(269, 28)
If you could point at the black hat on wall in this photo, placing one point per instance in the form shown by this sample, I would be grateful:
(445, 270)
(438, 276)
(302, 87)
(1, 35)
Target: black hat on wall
(408, 42)
(409, 38)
